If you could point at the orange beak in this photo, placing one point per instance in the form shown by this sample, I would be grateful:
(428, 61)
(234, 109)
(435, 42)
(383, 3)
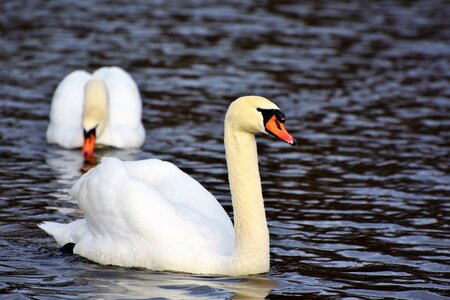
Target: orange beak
(276, 128)
(88, 146)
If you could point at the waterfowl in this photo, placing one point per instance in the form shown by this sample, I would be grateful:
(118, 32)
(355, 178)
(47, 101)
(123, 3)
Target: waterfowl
(151, 214)
(100, 108)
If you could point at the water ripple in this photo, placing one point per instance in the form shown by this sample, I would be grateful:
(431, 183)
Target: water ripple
(358, 210)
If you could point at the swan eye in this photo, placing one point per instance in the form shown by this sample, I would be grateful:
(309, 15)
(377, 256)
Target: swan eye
(269, 113)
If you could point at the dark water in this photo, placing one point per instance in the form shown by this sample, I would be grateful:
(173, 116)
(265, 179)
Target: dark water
(359, 210)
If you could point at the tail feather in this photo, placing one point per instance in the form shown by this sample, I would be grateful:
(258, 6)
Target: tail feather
(64, 233)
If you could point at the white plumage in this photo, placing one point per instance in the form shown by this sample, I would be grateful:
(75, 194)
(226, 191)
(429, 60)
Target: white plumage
(123, 129)
(151, 214)
(145, 211)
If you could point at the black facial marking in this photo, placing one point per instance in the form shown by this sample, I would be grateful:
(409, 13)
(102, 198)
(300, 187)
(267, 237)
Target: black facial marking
(269, 113)
(89, 133)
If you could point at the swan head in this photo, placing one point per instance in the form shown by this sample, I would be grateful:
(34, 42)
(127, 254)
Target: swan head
(95, 114)
(255, 114)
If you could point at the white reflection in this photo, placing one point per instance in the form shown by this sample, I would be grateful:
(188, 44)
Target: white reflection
(69, 164)
(143, 284)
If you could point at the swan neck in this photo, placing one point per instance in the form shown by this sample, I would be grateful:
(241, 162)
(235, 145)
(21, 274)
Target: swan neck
(96, 106)
(251, 233)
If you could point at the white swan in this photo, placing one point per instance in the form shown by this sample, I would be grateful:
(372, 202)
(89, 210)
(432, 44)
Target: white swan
(151, 214)
(104, 108)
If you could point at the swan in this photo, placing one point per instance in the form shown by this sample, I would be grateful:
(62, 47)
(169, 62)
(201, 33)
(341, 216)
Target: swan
(100, 108)
(151, 214)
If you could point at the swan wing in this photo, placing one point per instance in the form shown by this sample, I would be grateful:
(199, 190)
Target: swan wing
(125, 127)
(146, 213)
(66, 109)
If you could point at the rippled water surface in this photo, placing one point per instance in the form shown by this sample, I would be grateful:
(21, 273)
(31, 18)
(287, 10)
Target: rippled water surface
(359, 210)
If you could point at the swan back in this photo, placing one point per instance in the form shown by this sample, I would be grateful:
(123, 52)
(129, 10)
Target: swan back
(147, 212)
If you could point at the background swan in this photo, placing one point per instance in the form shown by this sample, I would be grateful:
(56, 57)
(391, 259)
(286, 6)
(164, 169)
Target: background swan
(100, 108)
(151, 214)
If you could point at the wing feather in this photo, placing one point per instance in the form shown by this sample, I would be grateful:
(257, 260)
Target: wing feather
(148, 208)
(125, 127)
(66, 110)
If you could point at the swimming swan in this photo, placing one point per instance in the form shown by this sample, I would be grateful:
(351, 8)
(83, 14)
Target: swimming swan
(100, 108)
(151, 214)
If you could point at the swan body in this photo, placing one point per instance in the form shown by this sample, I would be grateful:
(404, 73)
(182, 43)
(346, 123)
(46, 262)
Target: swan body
(151, 214)
(106, 101)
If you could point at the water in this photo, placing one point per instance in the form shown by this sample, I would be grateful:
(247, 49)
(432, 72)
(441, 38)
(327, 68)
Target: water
(359, 210)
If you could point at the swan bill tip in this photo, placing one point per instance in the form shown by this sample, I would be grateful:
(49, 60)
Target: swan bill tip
(293, 143)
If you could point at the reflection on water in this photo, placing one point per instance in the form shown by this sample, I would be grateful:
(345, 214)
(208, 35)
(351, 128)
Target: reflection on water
(359, 210)
(70, 164)
(176, 286)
